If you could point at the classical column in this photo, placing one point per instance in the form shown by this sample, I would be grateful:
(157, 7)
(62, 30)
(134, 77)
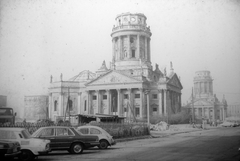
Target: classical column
(61, 109)
(120, 48)
(141, 103)
(108, 101)
(138, 47)
(129, 47)
(149, 49)
(199, 88)
(165, 102)
(180, 100)
(146, 52)
(79, 102)
(209, 114)
(160, 102)
(113, 47)
(221, 113)
(88, 102)
(213, 113)
(224, 114)
(50, 106)
(119, 100)
(98, 101)
(130, 107)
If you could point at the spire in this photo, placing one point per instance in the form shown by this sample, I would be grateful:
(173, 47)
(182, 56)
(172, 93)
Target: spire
(171, 67)
(165, 72)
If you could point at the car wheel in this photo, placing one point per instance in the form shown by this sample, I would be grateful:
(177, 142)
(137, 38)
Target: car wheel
(76, 148)
(103, 144)
(26, 155)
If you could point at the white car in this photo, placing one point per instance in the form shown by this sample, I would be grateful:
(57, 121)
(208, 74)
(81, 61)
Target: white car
(30, 147)
(228, 124)
(105, 139)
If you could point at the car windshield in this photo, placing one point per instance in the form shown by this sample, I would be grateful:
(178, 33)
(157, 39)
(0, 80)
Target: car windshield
(26, 134)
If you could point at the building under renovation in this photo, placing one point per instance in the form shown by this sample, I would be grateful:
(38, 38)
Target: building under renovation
(128, 87)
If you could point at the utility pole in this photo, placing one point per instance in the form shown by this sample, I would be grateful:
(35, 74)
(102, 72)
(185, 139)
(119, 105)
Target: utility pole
(192, 107)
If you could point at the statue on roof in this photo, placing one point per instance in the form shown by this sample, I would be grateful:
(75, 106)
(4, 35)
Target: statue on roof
(103, 67)
(51, 78)
(61, 76)
(171, 67)
(165, 72)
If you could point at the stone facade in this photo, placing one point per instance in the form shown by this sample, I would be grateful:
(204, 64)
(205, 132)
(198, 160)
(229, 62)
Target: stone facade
(128, 87)
(206, 105)
(36, 107)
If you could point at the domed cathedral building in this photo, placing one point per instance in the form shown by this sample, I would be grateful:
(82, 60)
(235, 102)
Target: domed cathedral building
(206, 104)
(128, 87)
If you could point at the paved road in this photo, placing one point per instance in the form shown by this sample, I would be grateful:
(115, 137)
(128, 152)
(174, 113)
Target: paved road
(209, 145)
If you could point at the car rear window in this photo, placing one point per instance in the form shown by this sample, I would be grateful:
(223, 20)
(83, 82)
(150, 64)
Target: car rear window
(94, 131)
(84, 130)
(7, 134)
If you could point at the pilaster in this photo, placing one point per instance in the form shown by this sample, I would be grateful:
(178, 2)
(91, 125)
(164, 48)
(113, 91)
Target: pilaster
(160, 102)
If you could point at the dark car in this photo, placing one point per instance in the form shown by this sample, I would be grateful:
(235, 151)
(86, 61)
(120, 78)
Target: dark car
(9, 149)
(66, 138)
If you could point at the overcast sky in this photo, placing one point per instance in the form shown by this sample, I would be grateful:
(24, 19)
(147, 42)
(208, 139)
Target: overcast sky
(39, 38)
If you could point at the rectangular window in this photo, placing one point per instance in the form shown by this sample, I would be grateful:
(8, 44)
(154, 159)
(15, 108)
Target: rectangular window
(104, 97)
(137, 111)
(137, 95)
(154, 109)
(125, 96)
(94, 97)
(154, 96)
(125, 109)
(133, 53)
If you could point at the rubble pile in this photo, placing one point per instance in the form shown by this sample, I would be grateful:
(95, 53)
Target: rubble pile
(161, 126)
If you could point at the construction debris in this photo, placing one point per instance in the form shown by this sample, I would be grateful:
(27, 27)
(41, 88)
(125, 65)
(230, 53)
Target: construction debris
(161, 126)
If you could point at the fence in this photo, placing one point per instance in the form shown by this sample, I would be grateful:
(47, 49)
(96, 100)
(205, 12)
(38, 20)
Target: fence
(117, 130)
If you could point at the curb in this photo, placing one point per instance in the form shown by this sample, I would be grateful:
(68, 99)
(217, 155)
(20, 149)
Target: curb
(132, 138)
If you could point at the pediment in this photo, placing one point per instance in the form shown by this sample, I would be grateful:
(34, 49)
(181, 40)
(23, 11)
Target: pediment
(202, 103)
(174, 80)
(113, 77)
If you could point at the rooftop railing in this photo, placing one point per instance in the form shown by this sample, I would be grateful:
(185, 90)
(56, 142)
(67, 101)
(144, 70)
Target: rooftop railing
(132, 27)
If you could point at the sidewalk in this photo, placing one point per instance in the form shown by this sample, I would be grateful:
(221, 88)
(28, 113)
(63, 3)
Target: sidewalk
(179, 129)
(174, 129)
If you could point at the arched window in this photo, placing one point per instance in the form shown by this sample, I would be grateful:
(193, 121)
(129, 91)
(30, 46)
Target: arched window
(70, 104)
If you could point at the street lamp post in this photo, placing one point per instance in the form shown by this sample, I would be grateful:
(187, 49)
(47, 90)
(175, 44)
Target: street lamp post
(148, 110)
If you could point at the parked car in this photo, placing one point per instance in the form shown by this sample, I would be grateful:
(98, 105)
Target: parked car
(66, 138)
(9, 149)
(105, 139)
(30, 147)
(228, 124)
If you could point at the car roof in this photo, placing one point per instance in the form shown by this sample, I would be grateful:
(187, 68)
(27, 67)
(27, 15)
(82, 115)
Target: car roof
(88, 126)
(7, 141)
(55, 127)
(12, 129)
